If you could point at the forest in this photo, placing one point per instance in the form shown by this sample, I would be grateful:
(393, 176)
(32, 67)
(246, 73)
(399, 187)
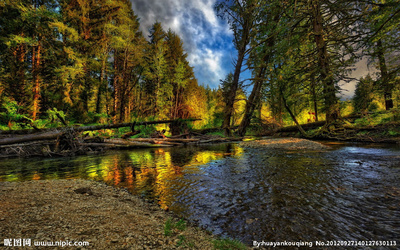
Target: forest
(88, 62)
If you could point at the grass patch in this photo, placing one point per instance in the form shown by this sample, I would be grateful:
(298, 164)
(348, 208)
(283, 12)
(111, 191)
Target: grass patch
(171, 227)
(227, 244)
(184, 242)
(378, 118)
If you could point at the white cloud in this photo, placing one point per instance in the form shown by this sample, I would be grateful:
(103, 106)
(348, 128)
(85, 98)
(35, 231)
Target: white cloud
(207, 8)
(204, 35)
(208, 63)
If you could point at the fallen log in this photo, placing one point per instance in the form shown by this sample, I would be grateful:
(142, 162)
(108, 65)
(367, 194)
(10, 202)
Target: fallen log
(152, 140)
(228, 139)
(313, 125)
(141, 143)
(211, 130)
(27, 144)
(183, 140)
(90, 128)
(307, 126)
(123, 146)
(28, 138)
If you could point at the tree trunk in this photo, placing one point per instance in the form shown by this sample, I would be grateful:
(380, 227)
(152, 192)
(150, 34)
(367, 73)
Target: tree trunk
(314, 96)
(253, 100)
(331, 101)
(242, 46)
(116, 88)
(255, 96)
(124, 85)
(19, 78)
(387, 86)
(176, 103)
(102, 86)
(303, 133)
(36, 80)
(230, 100)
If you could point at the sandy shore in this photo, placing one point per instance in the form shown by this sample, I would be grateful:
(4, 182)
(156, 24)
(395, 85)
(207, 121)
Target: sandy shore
(79, 211)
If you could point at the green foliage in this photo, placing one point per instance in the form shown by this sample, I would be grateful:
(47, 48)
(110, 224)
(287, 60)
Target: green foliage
(91, 60)
(228, 244)
(393, 133)
(171, 227)
(377, 118)
(361, 122)
(54, 114)
(363, 95)
(90, 133)
(184, 242)
(95, 117)
(11, 111)
(10, 115)
(76, 73)
(217, 133)
(181, 225)
(145, 131)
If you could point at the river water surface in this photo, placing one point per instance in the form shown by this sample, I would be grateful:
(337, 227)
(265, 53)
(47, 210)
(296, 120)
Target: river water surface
(351, 192)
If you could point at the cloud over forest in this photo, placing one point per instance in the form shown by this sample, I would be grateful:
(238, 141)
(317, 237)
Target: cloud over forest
(207, 39)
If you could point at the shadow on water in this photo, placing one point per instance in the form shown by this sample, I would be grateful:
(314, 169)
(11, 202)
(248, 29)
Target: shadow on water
(351, 192)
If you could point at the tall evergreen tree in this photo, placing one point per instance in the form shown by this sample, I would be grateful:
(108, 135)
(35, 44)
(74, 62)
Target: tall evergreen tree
(363, 94)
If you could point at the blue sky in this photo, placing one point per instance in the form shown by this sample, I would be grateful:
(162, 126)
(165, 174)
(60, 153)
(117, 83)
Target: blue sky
(207, 39)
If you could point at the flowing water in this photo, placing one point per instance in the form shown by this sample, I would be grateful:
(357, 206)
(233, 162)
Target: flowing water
(351, 192)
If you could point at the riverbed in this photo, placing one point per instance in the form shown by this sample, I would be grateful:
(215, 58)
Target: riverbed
(347, 192)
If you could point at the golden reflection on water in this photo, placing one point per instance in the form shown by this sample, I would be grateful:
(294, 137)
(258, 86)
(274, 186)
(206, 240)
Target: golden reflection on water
(150, 173)
(36, 176)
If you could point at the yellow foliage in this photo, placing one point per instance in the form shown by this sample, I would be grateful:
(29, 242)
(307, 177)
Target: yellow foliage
(239, 108)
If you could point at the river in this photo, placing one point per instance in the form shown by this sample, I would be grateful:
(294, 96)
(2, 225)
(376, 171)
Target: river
(350, 192)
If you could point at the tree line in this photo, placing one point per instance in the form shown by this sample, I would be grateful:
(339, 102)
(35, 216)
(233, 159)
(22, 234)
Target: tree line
(299, 51)
(89, 59)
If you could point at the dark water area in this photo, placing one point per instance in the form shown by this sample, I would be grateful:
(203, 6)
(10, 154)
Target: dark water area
(351, 192)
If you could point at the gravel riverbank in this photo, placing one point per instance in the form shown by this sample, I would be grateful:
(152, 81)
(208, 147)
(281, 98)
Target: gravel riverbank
(285, 143)
(78, 211)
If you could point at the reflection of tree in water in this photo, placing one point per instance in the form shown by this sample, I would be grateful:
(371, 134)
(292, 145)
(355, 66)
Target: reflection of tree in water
(121, 172)
(146, 179)
(181, 156)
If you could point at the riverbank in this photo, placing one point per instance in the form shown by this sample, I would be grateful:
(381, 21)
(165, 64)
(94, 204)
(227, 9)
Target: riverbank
(87, 211)
(288, 143)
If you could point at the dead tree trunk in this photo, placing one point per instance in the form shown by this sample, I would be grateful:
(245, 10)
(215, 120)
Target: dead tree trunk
(27, 138)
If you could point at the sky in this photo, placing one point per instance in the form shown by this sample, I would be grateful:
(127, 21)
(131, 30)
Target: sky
(207, 39)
